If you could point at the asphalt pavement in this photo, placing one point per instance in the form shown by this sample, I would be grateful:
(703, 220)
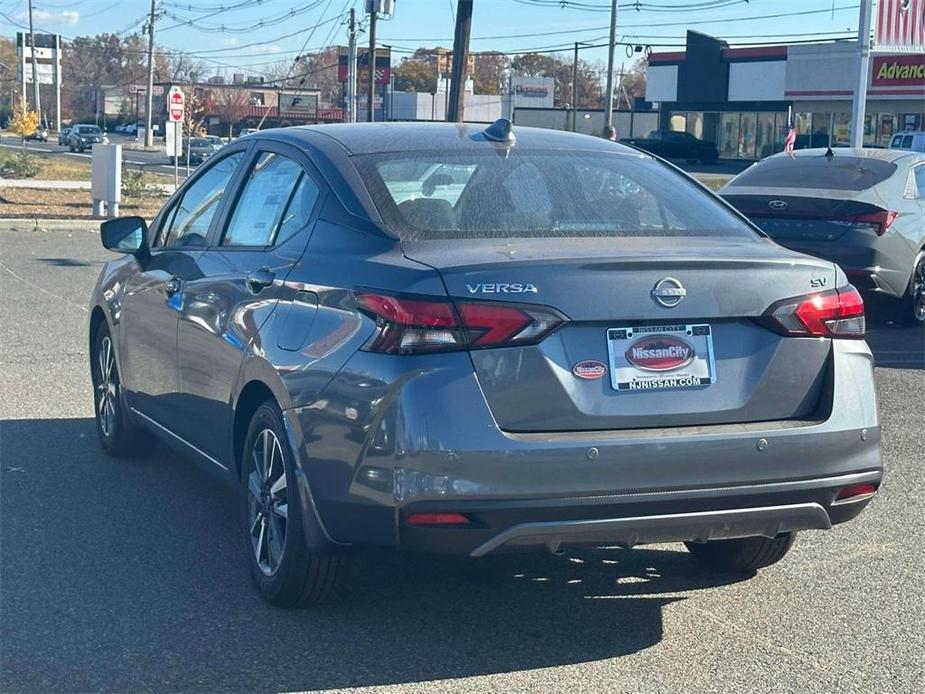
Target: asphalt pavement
(130, 575)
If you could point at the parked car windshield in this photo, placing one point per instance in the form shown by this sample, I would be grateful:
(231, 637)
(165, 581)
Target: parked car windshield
(539, 194)
(837, 172)
(89, 130)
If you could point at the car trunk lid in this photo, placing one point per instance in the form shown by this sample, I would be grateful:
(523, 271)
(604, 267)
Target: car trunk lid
(606, 284)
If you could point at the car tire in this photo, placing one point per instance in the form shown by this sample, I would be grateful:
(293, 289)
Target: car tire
(286, 574)
(119, 436)
(912, 305)
(70, 148)
(742, 555)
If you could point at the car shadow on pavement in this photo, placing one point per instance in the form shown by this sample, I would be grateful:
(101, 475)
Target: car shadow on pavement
(130, 575)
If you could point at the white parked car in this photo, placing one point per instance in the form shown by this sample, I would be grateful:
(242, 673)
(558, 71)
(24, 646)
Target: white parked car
(914, 141)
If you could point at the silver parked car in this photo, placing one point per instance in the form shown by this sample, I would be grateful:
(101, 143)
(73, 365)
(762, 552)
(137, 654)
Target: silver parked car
(861, 208)
(462, 339)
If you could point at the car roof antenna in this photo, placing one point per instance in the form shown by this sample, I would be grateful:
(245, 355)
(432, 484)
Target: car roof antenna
(829, 153)
(502, 130)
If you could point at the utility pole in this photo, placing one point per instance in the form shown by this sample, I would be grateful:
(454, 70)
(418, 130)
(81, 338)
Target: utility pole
(457, 97)
(35, 77)
(352, 68)
(608, 118)
(575, 89)
(858, 107)
(371, 59)
(149, 96)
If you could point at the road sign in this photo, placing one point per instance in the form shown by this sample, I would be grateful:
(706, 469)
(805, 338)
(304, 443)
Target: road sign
(176, 103)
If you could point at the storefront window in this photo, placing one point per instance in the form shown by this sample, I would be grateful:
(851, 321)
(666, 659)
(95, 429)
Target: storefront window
(695, 124)
(748, 126)
(729, 135)
(822, 129)
(842, 134)
(766, 135)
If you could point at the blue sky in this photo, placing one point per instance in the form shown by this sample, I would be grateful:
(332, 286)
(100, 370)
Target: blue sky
(234, 38)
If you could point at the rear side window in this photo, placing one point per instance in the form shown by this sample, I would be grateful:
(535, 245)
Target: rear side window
(919, 173)
(838, 172)
(269, 202)
(897, 142)
(907, 142)
(539, 194)
(188, 223)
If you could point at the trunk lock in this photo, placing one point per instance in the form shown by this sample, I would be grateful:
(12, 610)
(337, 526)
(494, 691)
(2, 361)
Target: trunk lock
(762, 444)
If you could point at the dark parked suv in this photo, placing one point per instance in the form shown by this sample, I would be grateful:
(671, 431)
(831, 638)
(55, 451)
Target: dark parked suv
(463, 339)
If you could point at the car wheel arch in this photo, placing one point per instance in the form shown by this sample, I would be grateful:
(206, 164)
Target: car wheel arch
(258, 382)
(97, 318)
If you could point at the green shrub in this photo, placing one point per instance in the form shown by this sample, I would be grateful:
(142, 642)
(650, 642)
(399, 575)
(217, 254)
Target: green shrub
(21, 165)
(135, 186)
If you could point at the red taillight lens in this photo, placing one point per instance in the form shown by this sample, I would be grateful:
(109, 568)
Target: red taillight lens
(437, 519)
(838, 313)
(855, 492)
(412, 325)
(879, 221)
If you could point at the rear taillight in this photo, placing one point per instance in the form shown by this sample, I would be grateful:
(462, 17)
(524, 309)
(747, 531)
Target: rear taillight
(878, 222)
(837, 313)
(406, 325)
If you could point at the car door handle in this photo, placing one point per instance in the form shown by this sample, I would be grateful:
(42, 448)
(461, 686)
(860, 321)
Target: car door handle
(172, 286)
(259, 279)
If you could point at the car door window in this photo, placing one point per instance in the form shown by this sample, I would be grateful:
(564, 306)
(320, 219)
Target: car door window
(273, 189)
(299, 210)
(188, 223)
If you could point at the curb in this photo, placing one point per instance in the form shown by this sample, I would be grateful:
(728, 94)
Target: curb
(41, 225)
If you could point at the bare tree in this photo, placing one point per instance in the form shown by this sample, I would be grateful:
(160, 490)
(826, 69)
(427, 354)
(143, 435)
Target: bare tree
(231, 106)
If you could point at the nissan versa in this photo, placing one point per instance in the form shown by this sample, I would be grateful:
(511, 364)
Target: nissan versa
(462, 339)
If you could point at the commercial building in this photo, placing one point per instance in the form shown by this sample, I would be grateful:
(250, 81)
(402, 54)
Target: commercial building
(744, 98)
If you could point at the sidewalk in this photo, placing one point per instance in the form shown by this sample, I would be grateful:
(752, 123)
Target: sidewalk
(43, 185)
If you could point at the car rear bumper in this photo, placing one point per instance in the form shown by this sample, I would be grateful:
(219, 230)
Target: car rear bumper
(377, 448)
(695, 515)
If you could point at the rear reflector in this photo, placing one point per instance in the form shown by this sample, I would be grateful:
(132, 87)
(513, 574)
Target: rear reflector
(856, 492)
(837, 313)
(437, 519)
(406, 325)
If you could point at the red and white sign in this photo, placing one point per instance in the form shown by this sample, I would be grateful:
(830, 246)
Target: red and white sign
(176, 104)
(900, 26)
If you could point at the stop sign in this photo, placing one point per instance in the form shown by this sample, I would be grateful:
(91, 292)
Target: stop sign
(175, 104)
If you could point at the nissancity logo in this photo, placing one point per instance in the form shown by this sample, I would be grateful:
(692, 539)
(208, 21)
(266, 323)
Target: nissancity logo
(589, 369)
(669, 292)
(660, 353)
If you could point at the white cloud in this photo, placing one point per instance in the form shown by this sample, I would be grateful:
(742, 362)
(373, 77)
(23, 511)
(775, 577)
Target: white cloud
(51, 16)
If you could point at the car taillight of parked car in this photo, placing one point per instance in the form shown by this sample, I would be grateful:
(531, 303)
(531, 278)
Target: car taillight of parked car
(878, 222)
(415, 325)
(837, 313)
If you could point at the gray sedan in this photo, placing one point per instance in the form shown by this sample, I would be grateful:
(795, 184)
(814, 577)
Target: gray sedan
(468, 340)
(861, 208)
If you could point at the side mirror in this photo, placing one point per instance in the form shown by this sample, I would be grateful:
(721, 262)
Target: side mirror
(125, 235)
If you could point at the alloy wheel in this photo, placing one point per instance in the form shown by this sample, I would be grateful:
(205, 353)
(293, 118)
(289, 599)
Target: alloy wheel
(267, 501)
(106, 387)
(918, 291)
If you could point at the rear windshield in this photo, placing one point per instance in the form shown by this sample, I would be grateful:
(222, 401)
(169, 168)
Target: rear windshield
(427, 195)
(837, 172)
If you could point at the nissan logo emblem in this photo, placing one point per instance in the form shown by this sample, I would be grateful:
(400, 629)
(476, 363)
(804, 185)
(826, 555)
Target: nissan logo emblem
(778, 204)
(668, 292)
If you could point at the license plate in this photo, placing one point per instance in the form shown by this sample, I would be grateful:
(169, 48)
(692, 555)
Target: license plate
(659, 357)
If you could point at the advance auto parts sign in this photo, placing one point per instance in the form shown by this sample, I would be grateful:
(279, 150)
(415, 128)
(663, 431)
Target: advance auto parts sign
(898, 71)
